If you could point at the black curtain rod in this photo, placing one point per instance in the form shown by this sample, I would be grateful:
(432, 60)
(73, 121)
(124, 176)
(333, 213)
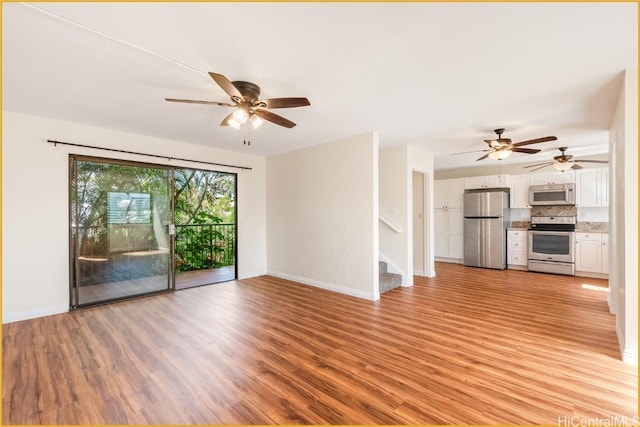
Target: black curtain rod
(148, 155)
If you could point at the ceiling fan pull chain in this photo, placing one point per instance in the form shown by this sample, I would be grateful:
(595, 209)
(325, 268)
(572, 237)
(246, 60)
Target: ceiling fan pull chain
(247, 136)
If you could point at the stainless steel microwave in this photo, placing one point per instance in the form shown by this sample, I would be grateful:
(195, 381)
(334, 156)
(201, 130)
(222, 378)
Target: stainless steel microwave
(552, 195)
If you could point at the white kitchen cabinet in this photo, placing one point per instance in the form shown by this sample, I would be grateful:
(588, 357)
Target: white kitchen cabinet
(544, 178)
(448, 233)
(448, 193)
(489, 181)
(592, 187)
(447, 214)
(519, 196)
(591, 251)
(517, 249)
(605, 253)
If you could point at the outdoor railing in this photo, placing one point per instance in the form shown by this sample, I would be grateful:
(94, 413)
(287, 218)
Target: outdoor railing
(205, 246)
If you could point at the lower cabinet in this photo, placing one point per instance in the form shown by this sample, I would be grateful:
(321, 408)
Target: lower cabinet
(517, 249)
(592, 254)
(605, 253)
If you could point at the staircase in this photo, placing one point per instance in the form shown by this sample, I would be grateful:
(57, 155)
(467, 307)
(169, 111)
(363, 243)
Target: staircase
(388, 280)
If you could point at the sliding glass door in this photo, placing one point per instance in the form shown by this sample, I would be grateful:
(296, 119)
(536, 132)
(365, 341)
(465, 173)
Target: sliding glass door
(205, 225)
(120, 219)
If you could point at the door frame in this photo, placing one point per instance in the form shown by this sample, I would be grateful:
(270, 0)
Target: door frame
(73, 247)
(427, 217)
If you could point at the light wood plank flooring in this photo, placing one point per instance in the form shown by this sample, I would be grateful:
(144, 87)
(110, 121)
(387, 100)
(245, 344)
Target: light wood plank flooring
(471, 346)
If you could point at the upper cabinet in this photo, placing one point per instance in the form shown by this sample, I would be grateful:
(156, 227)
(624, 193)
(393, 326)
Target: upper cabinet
(544, 178)
(489, 181)
(592, 187)
(448, 193)
(519, 197)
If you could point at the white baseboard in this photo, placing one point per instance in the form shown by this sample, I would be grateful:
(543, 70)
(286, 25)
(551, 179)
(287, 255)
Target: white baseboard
(628, 355)
(32, 314)
(371, 296)
(591, 275)
(249, 275)
(451, 260)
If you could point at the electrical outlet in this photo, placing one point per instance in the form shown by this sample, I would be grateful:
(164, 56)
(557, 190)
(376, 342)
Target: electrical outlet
(304, 272)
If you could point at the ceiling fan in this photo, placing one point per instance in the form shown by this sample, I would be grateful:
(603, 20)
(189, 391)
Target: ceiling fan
(563, 162)
(500, 148)
(245, 97)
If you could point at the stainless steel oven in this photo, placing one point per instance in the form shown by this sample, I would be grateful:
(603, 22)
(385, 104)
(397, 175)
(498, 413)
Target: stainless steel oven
(552, 245)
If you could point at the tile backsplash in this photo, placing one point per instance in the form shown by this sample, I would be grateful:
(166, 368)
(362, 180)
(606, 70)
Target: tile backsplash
(554, 211)
(521, 218)
(592, 227)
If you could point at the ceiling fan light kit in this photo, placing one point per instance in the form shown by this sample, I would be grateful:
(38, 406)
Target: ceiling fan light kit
(240, 116)
(245, 97)
(500, 154)
(564, 166)
(563, 162)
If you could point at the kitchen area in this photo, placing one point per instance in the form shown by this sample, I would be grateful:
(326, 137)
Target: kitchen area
(552, 222)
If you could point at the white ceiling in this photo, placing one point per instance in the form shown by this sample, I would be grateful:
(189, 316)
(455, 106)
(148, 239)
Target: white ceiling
(440, 75)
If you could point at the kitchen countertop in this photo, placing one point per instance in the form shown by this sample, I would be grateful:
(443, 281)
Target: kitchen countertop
(581, 226)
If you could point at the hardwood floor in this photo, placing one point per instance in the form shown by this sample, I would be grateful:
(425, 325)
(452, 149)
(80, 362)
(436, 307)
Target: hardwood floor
(470, 346)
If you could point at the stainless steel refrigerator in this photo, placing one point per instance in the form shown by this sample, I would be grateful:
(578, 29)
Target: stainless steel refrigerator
(486, 219)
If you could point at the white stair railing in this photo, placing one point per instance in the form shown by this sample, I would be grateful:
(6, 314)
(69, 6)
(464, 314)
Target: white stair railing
(389, 224)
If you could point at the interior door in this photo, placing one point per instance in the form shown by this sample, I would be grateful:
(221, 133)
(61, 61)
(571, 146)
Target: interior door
(120, 218)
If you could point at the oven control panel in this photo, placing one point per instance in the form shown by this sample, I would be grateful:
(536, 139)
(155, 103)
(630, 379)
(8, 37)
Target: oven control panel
(553, 220)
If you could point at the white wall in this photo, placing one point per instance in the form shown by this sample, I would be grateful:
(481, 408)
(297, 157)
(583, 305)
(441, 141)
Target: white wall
(322, 216)
(396, 201)
(623, 211)
(35, 265)
(395, 208)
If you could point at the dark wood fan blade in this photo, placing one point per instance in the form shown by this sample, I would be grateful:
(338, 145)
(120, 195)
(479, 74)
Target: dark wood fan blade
(483, 157)
(539, 164)
(576, 166)
(286, 102)
(535, 141)
(274, 118)
(225, 122)
(541, 167)
(591, 161)
(465, 152)
(525, 150)
(193, 101)
(226, 85)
